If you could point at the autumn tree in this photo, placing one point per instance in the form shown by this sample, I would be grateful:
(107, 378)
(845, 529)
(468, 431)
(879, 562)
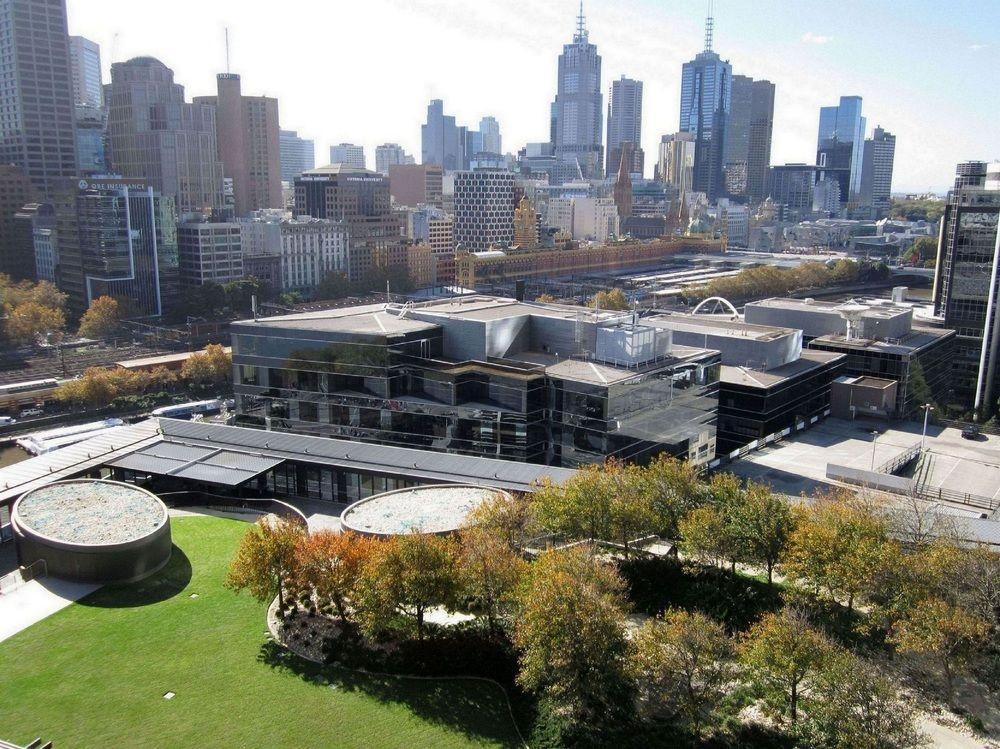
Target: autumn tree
(705, 535)
(545, 298)
(611, 299)
(580, 508)
(674, 489)
(406, 576)
(491, 572)
(31, 322)
(781, 652)
(682, 663)
(211, 367)
(508, 518)
(45, 293)
(761, 524)
(570, 630)
(853, 706)
(945, 633)
(328, 566)
(841, 547)
(265, 560)
(102, 318)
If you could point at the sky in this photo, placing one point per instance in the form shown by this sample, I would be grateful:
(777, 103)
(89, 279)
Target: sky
(363, 71)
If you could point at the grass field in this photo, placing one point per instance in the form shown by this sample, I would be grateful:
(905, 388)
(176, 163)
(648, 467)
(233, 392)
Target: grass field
(95, 673)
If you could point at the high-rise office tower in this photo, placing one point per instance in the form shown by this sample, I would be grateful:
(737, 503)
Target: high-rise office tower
(388, 155)
(625, 125)
(360, 199)
(249, 147)
(85, 62)
(349, 154)
(840, 145)
(525, 224)
(484, 209)
(36, 91)
(209, 253)
(118, 238)
(489, 132)
(747, 151)
(967, 282)
(675, 165)
(706, 96)
(155, 135)
(17, 258)
(297, 154)
(876, 172)
(416, 184)
(578, 108)
(441, 143)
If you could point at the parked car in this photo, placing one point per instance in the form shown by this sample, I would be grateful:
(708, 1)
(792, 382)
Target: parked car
(27, 413)
(6, 421)
(970, 432)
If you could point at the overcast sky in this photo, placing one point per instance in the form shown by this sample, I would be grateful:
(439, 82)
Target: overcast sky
(363, 71)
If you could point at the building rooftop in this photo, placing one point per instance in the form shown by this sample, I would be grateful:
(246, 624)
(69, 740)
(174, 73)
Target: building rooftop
(807, 361)
(366, 319)
(421, 509)
(885, 309)
(716, 325)
(330, 169)
(916, 340)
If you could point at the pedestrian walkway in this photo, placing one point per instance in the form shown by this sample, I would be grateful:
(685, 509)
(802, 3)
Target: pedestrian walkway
(34, 600)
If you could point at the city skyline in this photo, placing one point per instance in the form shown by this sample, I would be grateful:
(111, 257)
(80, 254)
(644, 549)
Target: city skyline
(810, 63)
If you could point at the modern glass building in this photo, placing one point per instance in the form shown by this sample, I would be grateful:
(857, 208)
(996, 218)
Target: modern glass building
(706, 100)
(480, 376)
(625, 125)
(840, 144)
(967, 282)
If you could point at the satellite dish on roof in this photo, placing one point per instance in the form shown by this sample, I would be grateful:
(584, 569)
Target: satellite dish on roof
(852, 313)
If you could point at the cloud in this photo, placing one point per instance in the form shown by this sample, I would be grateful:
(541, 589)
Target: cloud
(977, 47)
(811, 38)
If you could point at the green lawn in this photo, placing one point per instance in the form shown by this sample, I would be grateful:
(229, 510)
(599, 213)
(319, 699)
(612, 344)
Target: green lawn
(94, 674)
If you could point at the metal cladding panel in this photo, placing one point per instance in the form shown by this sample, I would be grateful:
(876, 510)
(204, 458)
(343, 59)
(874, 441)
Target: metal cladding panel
(563, 336)
(508, 336)
(241, 461)
(214, 474)
(143, 462)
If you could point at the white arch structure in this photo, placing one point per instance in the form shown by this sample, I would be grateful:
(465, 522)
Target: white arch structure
(716, 302)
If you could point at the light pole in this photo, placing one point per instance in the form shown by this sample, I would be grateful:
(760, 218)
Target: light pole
(927, 412)
(874, 440)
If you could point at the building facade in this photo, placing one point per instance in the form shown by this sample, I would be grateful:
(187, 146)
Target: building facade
(525, 224)
(297, 154)
(249, 146)
(85, 62)
(349, 154)
(489, 136)
(360, 199)
(488, 377)
(17, 258)
(310, 250)
(388, 155)
(117, 238)
(156, 136)
(625, 125)
(36, 92)
(675, 164)
(577, 111)
(484, 209)
(209, 253)
(876, 172)
(967, 282)
(416, 184)
(747, 153)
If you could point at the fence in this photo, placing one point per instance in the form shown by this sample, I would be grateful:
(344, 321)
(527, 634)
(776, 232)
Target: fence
(900, 461)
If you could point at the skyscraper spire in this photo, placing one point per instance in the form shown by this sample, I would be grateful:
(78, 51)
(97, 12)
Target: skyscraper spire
(709, 27)
(581, 27)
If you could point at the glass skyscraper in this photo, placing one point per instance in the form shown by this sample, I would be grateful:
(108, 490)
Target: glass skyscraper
(577, 110)
(706, 99)
(840, 144)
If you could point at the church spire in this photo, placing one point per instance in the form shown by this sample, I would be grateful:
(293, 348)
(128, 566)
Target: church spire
(580, 36)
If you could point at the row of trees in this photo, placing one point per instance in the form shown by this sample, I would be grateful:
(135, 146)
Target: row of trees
(769, 280)
(900, 584)
(97, 387)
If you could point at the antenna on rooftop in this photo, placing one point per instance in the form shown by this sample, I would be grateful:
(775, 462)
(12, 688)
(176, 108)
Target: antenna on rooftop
(581, 26)
(709, 27)
(227, 50)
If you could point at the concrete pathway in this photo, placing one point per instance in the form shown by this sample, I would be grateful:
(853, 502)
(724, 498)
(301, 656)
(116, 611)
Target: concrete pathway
(35, 600)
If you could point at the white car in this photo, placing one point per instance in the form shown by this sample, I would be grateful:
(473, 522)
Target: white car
(29, 412)
(6, 421)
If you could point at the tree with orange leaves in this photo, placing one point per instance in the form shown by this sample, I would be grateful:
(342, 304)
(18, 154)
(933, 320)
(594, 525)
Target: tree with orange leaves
(329, 565)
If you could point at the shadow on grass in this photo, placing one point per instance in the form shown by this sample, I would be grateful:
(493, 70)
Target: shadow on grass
(159, 586)
(437, 700)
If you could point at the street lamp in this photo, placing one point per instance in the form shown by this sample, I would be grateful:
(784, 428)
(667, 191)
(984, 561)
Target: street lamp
(874, 440)
(927, 412)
